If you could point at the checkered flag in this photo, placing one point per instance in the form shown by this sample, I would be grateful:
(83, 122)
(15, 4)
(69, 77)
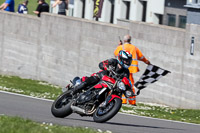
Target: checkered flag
(152, 74)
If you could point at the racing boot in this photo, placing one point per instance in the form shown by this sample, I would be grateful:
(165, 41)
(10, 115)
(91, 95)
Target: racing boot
(78, 88)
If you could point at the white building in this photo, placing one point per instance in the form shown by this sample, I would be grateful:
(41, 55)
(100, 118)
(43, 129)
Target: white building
(150, 11)
(138, 10)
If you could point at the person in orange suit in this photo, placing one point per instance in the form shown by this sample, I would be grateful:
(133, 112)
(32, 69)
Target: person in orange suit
(136, 55)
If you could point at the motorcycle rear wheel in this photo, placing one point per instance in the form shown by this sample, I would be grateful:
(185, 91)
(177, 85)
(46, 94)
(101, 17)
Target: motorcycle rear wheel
(104, 114)
(61, 107)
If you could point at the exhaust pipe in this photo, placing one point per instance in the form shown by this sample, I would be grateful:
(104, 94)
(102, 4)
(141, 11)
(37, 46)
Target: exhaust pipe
(77, 109)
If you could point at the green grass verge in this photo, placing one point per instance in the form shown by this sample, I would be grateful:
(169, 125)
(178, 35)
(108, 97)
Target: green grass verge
(19, 125)
(29, 87)
(45, 90)
(163, 112)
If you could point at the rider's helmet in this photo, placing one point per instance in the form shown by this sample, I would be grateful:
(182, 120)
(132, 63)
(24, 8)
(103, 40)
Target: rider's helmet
(124, 58)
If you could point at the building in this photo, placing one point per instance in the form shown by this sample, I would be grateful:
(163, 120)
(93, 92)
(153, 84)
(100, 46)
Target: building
(166, 12)
(137, 10)
(175, 14)
(193, 11)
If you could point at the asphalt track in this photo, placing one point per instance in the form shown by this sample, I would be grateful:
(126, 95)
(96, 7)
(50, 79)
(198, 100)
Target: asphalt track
(39, 110)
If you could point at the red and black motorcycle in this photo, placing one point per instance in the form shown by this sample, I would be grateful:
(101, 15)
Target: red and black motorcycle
(102, 101)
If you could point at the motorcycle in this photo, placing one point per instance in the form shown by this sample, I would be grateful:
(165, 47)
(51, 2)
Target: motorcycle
(102, 101)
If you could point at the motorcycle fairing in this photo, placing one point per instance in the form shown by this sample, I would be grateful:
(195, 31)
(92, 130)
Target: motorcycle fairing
(126, 81)
(108, 79)
(101, 85)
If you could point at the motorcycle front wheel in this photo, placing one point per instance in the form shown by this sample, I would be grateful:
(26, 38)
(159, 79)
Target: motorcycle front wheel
(61, 107)
(103, 114)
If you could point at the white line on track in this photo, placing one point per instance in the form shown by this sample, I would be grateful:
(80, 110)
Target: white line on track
(25, 96)
(119, 112)
(161, 119)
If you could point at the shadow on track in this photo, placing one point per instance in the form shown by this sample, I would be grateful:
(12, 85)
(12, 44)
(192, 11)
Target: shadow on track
(134, 125)
(124, 124)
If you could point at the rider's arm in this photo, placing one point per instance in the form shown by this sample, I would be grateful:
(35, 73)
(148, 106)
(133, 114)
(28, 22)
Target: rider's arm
(126, 73)
(103, 65)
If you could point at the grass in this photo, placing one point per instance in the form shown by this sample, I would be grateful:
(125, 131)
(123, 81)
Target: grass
(45, 90)
(19, 125)
(163, 112)
(29, 87)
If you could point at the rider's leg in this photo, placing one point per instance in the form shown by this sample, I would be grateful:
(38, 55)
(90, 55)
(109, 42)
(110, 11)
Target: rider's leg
(89, 81)
(79, 87)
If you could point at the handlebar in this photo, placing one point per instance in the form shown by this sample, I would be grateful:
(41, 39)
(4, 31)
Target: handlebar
(115, 75)
(110, 69)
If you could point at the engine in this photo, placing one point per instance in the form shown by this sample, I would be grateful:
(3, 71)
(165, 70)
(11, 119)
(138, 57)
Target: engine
(86, 97)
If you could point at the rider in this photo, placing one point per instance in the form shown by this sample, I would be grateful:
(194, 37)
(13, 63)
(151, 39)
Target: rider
(119, 66)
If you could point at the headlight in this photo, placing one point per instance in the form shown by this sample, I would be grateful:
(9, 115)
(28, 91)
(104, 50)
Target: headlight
(121, 86)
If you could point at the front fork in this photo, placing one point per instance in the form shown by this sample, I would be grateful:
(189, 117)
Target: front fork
(108, 100)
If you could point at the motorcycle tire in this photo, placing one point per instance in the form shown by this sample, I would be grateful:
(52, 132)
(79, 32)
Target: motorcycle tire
(110, 111)
(61, 107)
